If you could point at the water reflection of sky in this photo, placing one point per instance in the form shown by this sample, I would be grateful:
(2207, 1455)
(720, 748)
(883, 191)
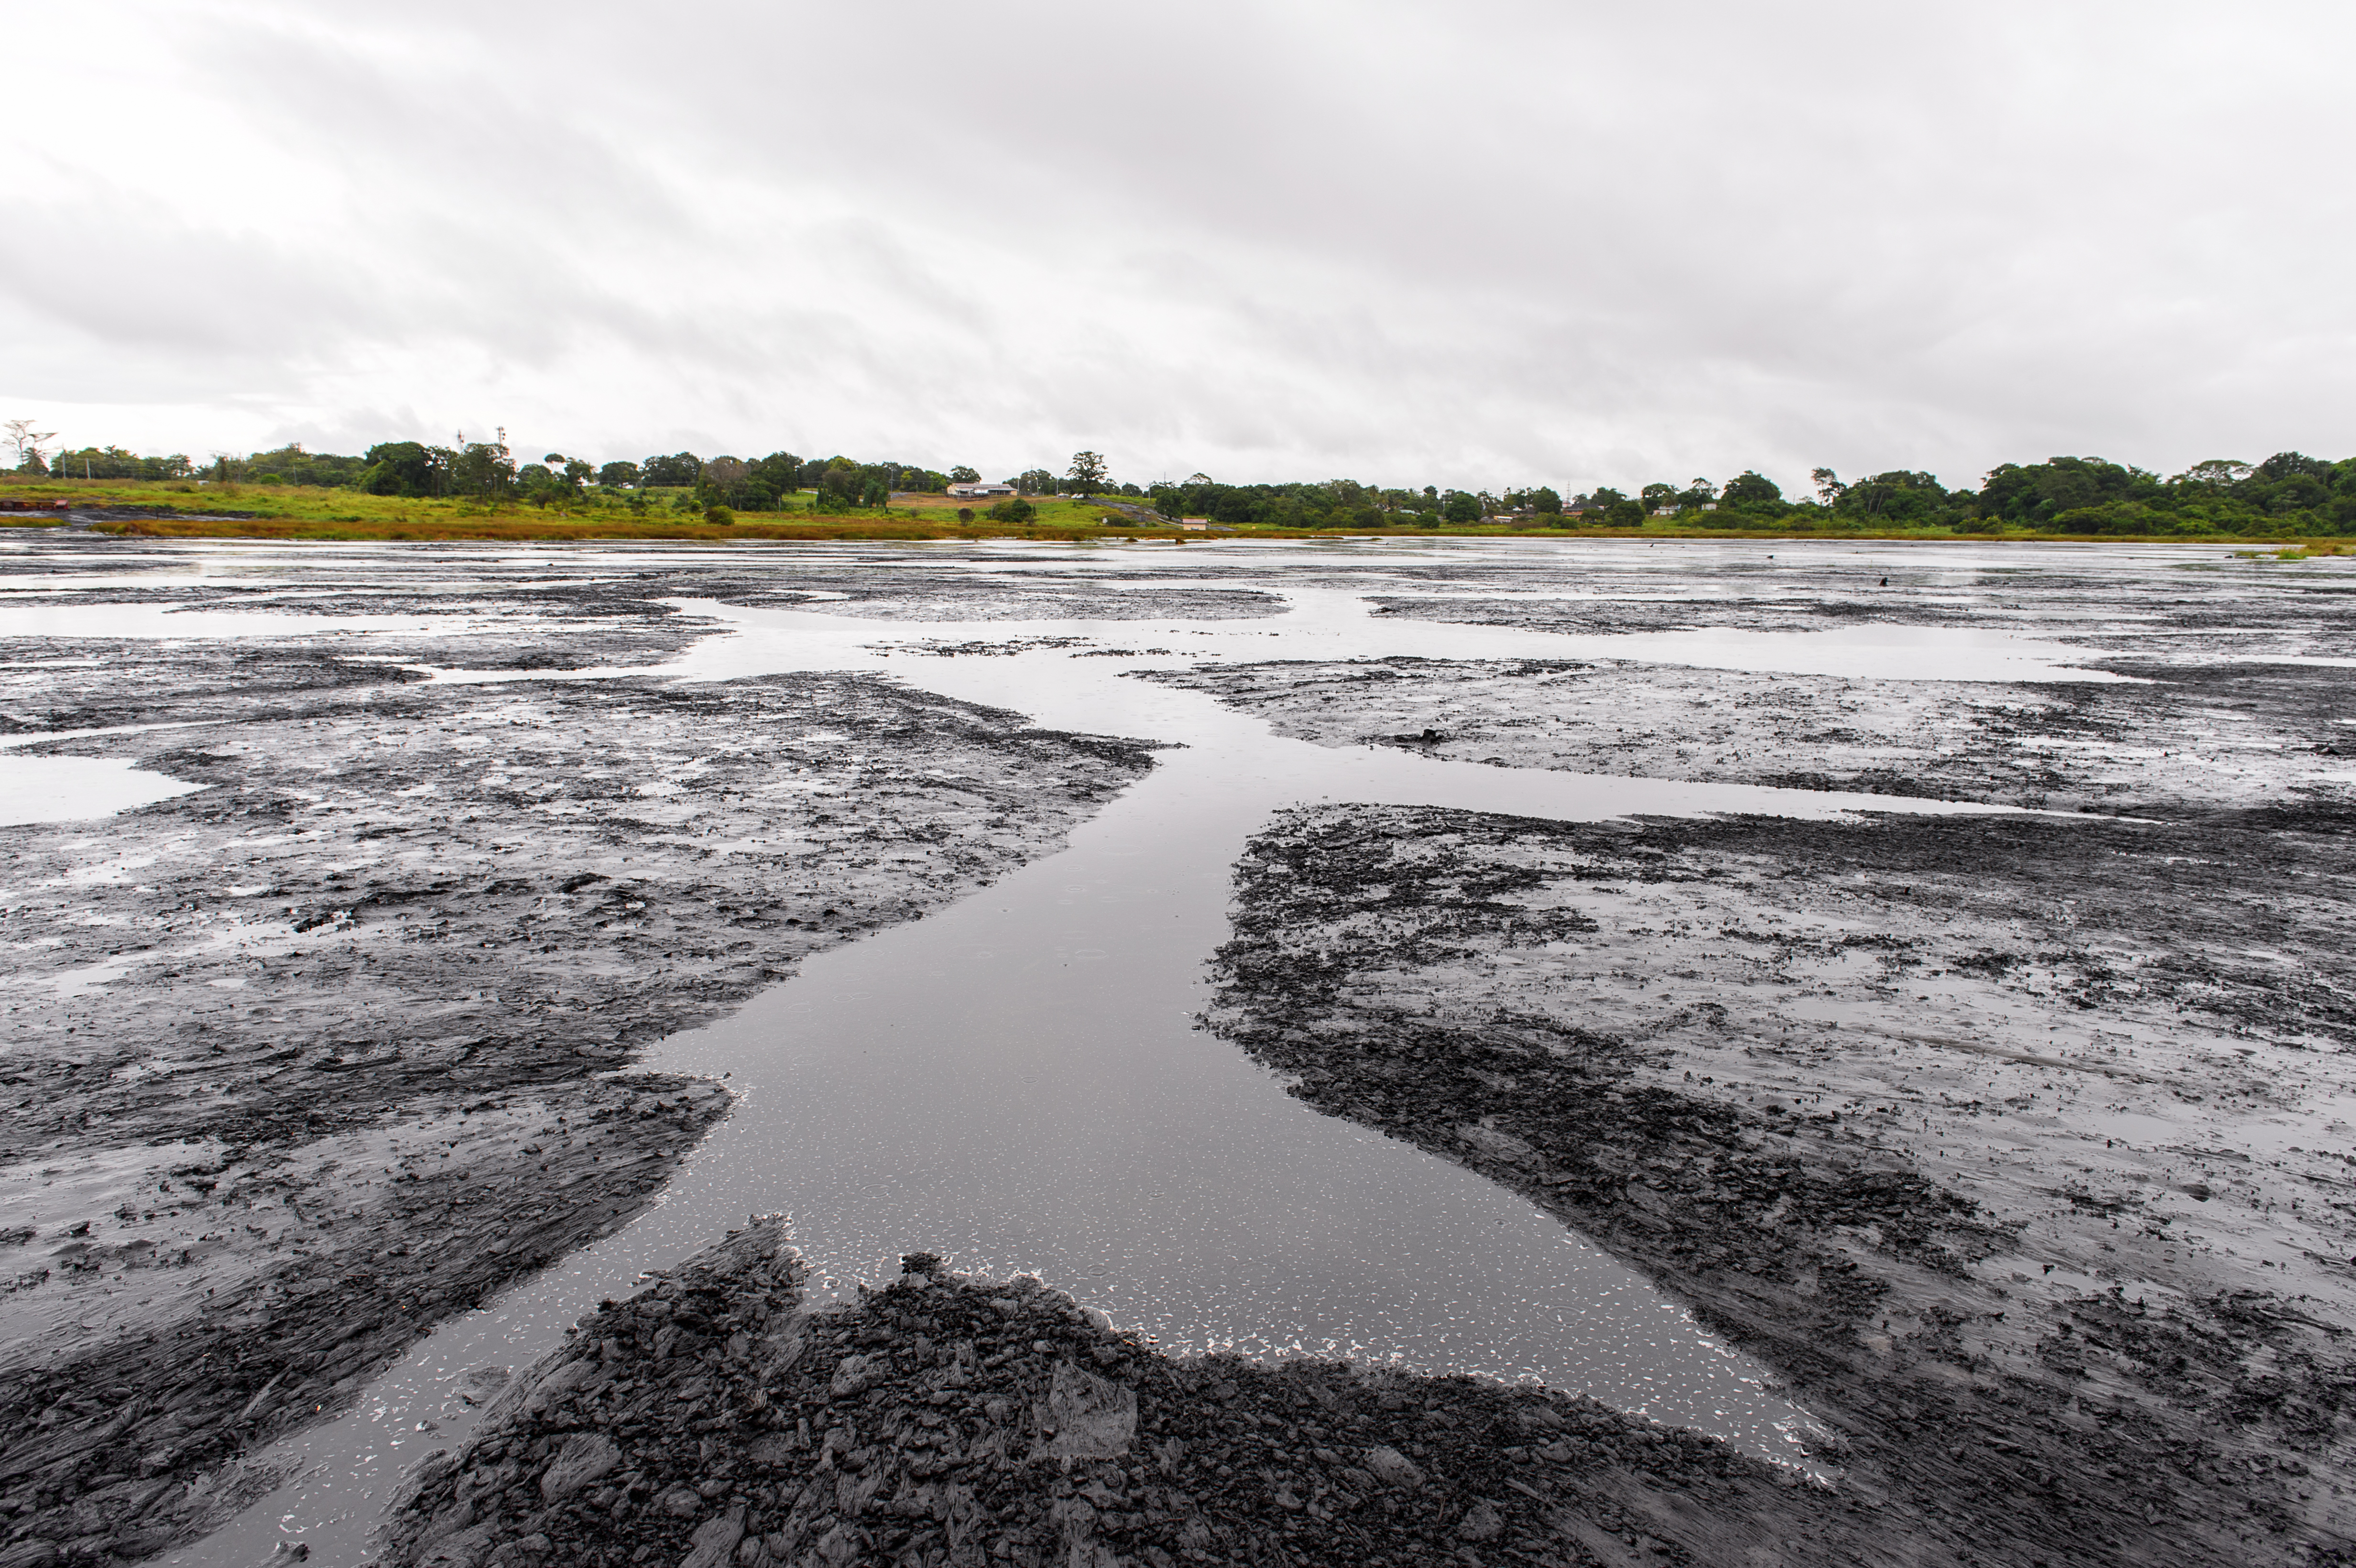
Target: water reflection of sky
(1017, 1081)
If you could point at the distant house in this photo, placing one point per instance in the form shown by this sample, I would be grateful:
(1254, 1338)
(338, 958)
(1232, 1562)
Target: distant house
(1195, 525)
(978, 488)
(1665, 511)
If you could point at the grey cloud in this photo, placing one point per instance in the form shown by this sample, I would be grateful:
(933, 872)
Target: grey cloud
(1473, 244)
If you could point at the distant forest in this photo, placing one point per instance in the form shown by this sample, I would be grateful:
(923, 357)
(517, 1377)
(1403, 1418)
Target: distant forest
(2289, 493)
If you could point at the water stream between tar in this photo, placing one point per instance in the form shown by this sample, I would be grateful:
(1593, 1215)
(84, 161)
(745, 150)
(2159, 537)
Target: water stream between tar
(1017, 1082)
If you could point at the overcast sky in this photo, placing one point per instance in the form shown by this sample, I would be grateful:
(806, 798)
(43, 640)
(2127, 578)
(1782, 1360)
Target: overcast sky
(1477, 243)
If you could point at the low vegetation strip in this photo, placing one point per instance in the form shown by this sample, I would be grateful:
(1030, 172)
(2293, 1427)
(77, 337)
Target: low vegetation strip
(2288, 495)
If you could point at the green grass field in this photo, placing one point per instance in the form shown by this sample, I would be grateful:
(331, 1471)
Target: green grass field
(309, 512)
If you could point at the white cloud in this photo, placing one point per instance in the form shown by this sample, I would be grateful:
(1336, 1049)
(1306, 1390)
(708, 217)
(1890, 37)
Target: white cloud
(1476, 244)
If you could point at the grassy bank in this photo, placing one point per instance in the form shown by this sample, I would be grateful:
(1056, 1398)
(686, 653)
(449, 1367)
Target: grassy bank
(185, 510)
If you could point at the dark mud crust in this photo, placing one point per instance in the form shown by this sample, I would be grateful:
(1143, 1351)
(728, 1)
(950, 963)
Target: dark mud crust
(950, 1420)
(1346, 914)
(100, 1447)
(915, 595)
(2271, 879)
(2177, 740)
(240, 684)
(2209, 606)
(433, 906)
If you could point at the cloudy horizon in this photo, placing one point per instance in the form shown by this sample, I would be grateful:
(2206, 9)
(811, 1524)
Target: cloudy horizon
(1483, 245)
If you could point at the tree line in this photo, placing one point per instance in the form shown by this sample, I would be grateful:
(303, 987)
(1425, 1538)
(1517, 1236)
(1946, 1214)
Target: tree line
(2289, 492)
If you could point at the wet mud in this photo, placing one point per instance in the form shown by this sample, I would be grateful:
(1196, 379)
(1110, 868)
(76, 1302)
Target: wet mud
(2202, 603)
(2173, 738)
(716, 1418)
(298, 1065)
(2040, 1202)
(2018, 1144)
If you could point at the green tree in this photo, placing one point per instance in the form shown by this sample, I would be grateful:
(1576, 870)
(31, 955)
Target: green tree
(1013, 510)
(2035, 494)
(618, 475)
(1461, 508)
(1899, 496)
(724, 475)
(1086, 473)
(1615, 510)
(679, 468)
(1545, 501)
(770, 481)
(2284, 465)
(961, 474)
(485, 470)
(841, 484)
(2215, 474)
(407, 468)
(1751, 488)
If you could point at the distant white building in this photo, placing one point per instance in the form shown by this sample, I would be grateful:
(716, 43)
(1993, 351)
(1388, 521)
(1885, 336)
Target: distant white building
(980, 487)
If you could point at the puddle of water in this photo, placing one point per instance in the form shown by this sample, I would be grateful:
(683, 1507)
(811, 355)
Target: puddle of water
(76, 789)
(1017, 1082)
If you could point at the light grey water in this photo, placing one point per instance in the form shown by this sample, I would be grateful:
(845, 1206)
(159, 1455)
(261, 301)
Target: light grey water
(1016, 1083)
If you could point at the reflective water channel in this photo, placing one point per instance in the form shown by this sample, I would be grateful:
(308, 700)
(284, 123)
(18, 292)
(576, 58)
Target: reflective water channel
(1017, 1081)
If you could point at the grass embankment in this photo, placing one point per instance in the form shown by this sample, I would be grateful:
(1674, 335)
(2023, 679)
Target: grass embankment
(312, 513)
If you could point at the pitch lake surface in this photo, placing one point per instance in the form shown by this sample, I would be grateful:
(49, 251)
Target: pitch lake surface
(1017, 1082)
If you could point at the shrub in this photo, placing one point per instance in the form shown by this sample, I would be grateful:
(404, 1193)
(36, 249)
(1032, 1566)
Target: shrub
(718, 513)
(1013, 510)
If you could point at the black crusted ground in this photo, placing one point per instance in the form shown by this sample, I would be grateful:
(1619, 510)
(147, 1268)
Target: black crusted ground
(949, 1420)
(1815, 1078)
(303, 1062)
